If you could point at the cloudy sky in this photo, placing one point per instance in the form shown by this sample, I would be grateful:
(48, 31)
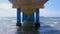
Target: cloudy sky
(6, 9)
(51, 9)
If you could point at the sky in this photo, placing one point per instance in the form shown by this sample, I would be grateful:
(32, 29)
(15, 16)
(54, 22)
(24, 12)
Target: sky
(51, 9)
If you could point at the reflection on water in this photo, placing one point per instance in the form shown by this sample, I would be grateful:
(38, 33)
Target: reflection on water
(27, 31)
(8, 26)
(27, 28)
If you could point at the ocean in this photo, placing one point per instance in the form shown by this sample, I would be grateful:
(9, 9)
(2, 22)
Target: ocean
(48, 25)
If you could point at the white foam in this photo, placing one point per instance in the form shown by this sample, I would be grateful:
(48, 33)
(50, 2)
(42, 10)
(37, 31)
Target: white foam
(52, 25)
(55, 22)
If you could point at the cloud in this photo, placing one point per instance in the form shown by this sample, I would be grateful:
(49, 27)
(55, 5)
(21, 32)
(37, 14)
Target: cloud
(5, 5)
(49, 13)
(6, 10)
(42, 12)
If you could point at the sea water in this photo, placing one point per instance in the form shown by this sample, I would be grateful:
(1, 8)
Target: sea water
(48, 25)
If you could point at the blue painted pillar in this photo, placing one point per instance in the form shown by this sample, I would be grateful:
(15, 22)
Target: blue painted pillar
(18, 15)
(37, 15)
(24, 17)
(32, 17)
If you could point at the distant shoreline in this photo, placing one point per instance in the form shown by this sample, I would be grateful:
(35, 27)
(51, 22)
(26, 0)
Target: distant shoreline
(48, 17)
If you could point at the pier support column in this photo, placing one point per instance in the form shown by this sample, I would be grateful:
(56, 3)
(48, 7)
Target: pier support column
(37, 15)
(32, 17)
(18, 17)
(37, 24)
(24, 17)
